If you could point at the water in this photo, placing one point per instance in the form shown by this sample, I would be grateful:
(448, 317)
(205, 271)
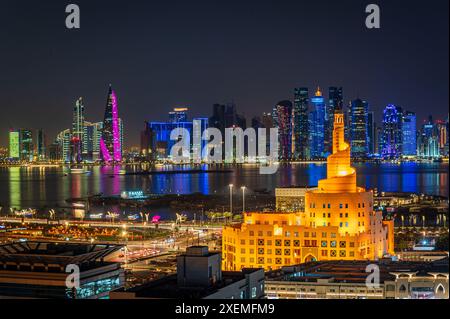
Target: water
(37, 187)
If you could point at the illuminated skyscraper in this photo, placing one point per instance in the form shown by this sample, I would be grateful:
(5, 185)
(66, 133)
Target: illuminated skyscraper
(429, 143)
(392, 132)
(300, 123)
(317, 126)
(335, 103)
(63, 140)
(110, 143)
(26, 145)
(41, 145)
(282, 116)
(359, 128)
(14, 144)
(409, 134)
(371, 132)
(78, 119)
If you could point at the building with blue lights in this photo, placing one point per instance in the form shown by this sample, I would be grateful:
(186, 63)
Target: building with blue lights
(359, 136)
(335, 102)
(391, 139)
(161, 134)
(317, 126)
(301, 123)
(409, 134)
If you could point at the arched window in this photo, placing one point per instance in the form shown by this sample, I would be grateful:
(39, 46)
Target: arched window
(402, 288)
(440, 289)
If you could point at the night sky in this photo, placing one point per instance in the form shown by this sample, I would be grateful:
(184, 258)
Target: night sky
(161, 54)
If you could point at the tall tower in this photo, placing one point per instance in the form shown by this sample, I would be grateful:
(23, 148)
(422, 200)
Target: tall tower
(282, 115)
(300, 123)
(78, 119)
(335, 102)
(392, 132)
(409, 134)
(359, 110)
(110, 143)
(316, 126)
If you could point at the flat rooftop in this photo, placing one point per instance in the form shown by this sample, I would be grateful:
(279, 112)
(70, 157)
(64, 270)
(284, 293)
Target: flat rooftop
(167, 287)
(354, 271)
(54, 253)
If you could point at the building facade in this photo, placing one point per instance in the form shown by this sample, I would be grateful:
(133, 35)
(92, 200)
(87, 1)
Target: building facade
(110, 142)
(338, 223)
(300, 123)
(317, 126)
(282, 115)
(391, 139)
(409, 134)
(359, 137)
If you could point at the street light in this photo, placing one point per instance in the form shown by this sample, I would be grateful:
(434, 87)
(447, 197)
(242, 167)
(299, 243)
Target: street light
(231, 198)
(243, 198)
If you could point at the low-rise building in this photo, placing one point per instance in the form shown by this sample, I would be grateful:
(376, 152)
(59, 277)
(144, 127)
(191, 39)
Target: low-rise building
(348, 280)
(41, 270)
(199, 276)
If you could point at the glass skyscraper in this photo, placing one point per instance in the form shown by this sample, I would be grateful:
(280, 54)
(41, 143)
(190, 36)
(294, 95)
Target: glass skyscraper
(409, 134)
(359, 111)
(110, 143)
(392, 132)
(300, 123)
(317, 126)
(335, 102)
(282, 116)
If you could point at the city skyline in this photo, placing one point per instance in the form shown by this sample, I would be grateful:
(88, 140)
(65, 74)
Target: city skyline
(388, 66)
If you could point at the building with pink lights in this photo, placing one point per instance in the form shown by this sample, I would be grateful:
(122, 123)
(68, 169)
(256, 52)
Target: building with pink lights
(111, 140)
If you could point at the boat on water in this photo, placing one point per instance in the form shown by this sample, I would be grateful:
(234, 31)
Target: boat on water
(77, 170)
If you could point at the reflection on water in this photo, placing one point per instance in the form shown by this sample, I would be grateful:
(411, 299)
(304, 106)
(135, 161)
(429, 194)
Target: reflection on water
(50, 186)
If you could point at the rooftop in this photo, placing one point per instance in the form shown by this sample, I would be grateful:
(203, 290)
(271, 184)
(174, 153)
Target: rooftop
(354, 271)
(54, 253)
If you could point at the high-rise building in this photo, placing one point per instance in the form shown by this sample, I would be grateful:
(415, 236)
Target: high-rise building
(63, 139)
(14, 144)
(371, 133)
(300, 121)
(26, 145)
(441, 127)
(428, 140)
(179, 114)
(148, 143)
(110, 143)
(282, 115)
(41, 145)
(392, 132)
(338, 223)
(359, 111)
(409, 134)
(335, 102)
(317, 126)
(78, 126)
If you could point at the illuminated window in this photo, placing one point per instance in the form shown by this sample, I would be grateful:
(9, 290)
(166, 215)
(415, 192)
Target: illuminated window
(287, 234)
(277, 251)
(260, 242)
(323, 243)
(346, 224)
(296, 234)
(296, 243)
(260, 233)
(278, 261)
(342, 244)
(242, 241)
(324, 235)
(352, 244)
(278, 242)
(269, 233)
(333, 243)
(313, 235)
(346, 214)
(287, 252)
(342, 253)
(333, 235)
(287, 242)
(242, 250)
(333, 253)
(329, 205)
(252, 242)
(340, 206)
(352, 254)
(306, 234)
(324, 253)
(252, 233)
(307, 243)
(261, 260)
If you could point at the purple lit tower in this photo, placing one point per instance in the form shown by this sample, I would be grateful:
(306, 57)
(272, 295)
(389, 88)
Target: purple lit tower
(110, 142)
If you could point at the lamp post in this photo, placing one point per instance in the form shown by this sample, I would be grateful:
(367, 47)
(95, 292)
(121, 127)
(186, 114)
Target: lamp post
(243, 198)
(231, 198)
